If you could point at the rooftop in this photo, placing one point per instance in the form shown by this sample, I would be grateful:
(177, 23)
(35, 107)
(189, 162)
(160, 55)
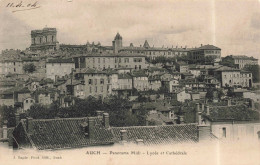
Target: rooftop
(62, 133)
(165, 134)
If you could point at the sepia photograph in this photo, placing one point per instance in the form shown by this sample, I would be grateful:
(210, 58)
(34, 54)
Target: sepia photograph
(120, 82)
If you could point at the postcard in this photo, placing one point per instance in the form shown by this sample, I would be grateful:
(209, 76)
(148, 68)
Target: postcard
(129, 82)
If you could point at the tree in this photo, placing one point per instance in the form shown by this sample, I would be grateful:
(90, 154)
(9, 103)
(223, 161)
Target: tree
(254, 69)
(228, 61)
(29, 68)
(8, 114)
(38, 111)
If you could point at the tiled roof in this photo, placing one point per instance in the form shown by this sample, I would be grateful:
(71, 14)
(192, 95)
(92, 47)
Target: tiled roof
(244, 57)
(226, 68)
(60, 60)
(66, 133)
(124, 76)
(211, 47)
(106, 54)
(159, 134)
(139, 73)
(236, 113)
(159, 117)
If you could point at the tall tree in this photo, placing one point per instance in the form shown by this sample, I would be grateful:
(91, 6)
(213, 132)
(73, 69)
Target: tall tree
(29, 68)
(254, 69)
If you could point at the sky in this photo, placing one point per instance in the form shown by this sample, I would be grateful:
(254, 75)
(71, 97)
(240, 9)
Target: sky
(234, 26)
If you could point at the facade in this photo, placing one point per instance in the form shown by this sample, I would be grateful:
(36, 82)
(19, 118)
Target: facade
(181, 96)
(110, 61)
(11, 66)
(237, 130)
(153, 52)
(233, 77)
(96, 83)
(140, 81)
(58, 68)
(242, 60)
(44, 39)
(246, 79)
(205, 51)
(44, 99)
(27, 103)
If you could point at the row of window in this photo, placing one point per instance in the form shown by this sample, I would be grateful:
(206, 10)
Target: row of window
(43, 39)
(238, 75)
(91, 82)
(95, 89)
(120, 60)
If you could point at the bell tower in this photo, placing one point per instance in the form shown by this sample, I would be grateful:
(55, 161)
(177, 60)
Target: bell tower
(117, 43)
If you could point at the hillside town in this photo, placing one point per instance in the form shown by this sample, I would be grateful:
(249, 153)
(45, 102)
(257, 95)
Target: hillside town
(58, 96)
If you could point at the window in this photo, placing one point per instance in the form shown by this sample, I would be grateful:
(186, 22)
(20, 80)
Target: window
(90, 90)
(90, 81)
(96, 89)
(101, 89)
(26, 101)
(95, 81)
(31, 101)
(224, 132)
(102, 81)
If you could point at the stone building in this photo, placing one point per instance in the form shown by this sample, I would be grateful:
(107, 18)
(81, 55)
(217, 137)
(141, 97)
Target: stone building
(241, 60)
(11, 66)
(153, 52)
(211, 51)
(233, 77)
(59, 67)
(140, 81)
(110, 61)
(96, 83)
(44, 39)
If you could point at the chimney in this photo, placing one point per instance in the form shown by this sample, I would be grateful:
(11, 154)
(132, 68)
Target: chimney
(197, 111)
(139, 141)
(199, 118)
(207, 109)
(181, 119)
(99, 113)
(91, 125)
(202, 107)
(201, 45)
(106, 120)
(17, 118)
(252, 104)
(197, 107)
(229, 102)
(123, 135)
(29, 125)
(203, 132)
(4, 131)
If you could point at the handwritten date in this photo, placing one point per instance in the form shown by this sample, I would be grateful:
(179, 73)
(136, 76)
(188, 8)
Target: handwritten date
(21, 4)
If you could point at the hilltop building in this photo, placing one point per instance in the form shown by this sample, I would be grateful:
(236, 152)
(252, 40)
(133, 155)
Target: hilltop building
(44, 39)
